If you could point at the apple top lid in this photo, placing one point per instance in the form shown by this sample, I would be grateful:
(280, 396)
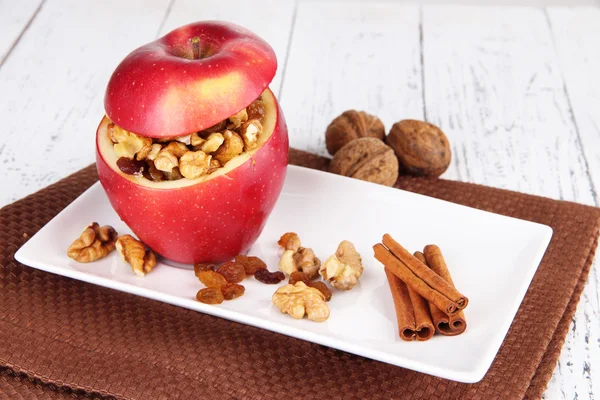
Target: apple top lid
(189, 80)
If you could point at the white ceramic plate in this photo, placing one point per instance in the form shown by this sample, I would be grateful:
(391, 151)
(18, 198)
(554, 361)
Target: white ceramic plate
(492, 260)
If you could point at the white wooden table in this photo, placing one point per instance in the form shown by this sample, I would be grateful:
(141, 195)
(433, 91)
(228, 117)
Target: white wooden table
(517, 90)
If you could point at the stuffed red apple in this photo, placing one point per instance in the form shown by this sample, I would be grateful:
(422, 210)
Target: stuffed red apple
(193, 149)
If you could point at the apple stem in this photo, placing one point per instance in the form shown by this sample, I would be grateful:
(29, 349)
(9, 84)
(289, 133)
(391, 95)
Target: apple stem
(195, 48)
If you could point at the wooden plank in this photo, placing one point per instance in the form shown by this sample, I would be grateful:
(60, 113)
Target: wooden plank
(493, 83)
(56, 78)
(351, 56)
(574, 31)
(14, 18)
(270, 19)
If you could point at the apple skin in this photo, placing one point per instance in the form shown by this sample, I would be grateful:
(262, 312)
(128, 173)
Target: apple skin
(159, 90)
(211, 221)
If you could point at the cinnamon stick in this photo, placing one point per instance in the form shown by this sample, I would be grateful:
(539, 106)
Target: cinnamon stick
(412, 312)
(432, 279)
(444, 325)
(404, 273)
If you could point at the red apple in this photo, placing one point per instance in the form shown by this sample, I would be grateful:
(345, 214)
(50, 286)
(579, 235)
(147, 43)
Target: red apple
(189, 80)
(218, 216)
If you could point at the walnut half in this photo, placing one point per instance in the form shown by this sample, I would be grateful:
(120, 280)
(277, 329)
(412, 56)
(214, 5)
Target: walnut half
(344, 268)
(134, 252)
(94, 243)
(298, 300)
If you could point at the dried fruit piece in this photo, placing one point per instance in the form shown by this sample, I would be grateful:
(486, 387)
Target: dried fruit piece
(256, 110)
(299, 276)
(250, 263)
(130, 166)
(211, 279)
(268, 277)
(232, 271)
(134, 252)
(232, 291)
(299, 299)
(198, 267)
(321, 287)
(218, 127)
(289, 241)
(210, 295)
(94, 243)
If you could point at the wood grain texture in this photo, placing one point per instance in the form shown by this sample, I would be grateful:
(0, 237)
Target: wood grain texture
(492, 82)
(275, 29)
(356, 56)
(14, 18)
(575, 32)
(56, 78)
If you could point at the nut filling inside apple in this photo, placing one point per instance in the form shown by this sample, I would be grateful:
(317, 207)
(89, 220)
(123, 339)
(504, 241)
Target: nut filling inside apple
(196, 156)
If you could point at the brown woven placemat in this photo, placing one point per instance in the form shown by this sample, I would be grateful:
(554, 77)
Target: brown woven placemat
(61, 338)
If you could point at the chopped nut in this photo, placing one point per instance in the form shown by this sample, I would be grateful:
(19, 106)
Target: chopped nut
(214, 165)
(184, 139)
(194, 164)
(168, 157)
(176, 148)
(94, 243)
(213, 142)
(286, 264)
(237, 119)
(289, 241)
(156, 147)
(152, 173)
(134, 252)
(232, 147)
(196, 140)
(344, 268)
(298, 300)
(250, 131)
(307, 262)
(127, 143)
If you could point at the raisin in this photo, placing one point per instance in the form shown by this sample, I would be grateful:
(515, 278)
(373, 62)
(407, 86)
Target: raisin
(131, 167)
(210, 295)
(232, 271)
(321, 287)
(299, 276)
(232, 291)
(203, 267)
(218, 127)
(153, 174)
(211, 279)
(256, 110)
(265, 276)
(250, 263)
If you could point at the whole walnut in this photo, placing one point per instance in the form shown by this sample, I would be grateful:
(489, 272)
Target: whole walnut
(352, 125)
(422, 148)
(367, 159)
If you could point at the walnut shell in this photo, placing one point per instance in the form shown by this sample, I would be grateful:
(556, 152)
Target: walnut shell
(422, 148)
(368, 159)
(352, 125)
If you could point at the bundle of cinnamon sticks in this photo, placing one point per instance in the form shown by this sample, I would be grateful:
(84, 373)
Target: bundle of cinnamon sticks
(425, 297)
